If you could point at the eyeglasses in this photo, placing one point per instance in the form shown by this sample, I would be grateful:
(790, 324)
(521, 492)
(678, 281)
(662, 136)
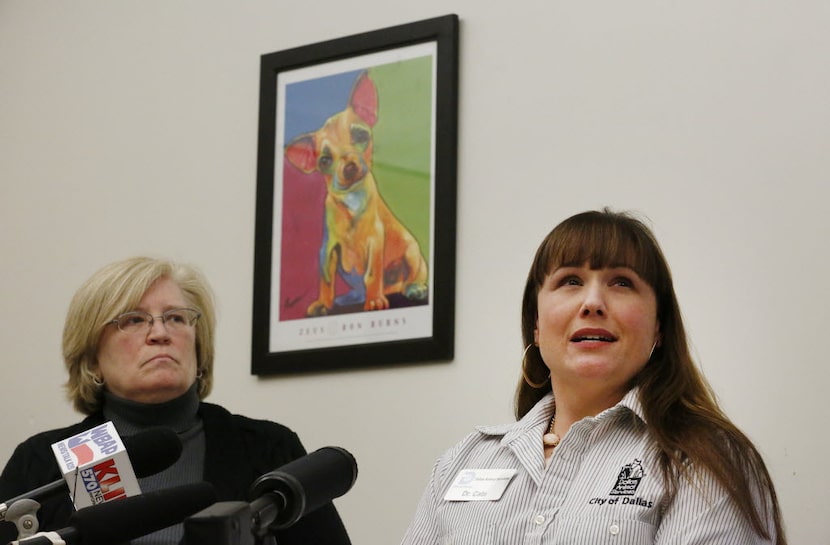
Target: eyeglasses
(138, 321)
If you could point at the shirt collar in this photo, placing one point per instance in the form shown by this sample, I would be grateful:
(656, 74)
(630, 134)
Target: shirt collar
(542, 412)
(631, 401)
(539, 413)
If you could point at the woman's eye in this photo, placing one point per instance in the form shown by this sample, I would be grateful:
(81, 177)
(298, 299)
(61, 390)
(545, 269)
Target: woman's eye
(175, 317)
(623, 282)
(570, 281)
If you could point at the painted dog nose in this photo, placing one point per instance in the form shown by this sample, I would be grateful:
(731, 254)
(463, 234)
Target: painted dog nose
(351, 172)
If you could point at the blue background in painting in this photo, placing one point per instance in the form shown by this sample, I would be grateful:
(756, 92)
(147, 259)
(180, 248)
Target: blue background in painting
(309, 103)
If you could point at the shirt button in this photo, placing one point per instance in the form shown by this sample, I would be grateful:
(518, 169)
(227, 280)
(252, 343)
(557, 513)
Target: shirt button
(538, 519)
(614, 529)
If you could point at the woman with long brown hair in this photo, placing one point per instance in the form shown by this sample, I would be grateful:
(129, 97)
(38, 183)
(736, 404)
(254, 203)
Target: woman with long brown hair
(618, 439)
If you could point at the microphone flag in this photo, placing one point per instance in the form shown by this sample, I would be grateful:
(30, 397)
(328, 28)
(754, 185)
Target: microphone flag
(96, 466)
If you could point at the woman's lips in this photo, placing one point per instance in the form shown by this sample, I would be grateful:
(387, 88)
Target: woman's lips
(593, 335)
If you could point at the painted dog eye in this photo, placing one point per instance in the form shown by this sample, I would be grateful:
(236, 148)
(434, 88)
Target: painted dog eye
(360, 135)
(324, 162)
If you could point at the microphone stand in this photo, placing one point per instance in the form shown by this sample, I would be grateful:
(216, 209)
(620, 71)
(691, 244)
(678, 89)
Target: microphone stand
(23, 514)
(227, 523)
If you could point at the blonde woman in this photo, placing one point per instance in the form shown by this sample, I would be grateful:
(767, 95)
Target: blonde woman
(138, 347)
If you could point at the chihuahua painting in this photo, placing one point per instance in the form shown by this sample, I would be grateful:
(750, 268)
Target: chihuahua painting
(363, 241)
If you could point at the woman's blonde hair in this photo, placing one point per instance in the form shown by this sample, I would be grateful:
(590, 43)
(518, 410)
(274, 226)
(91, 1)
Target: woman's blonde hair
(118, 288)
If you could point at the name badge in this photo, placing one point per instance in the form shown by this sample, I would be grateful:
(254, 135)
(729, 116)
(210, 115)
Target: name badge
(479, 484)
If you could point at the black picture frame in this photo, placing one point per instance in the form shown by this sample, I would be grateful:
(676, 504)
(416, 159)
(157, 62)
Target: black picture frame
(416, 327)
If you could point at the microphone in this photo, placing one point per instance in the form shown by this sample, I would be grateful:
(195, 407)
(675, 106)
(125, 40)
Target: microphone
(285, 495)
(128, 518)
(149, 451)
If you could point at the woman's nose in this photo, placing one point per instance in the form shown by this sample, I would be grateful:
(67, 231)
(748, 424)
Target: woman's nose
(158, 331)
(594, 302)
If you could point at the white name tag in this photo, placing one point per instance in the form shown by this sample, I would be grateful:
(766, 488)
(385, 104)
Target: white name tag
(479, 484)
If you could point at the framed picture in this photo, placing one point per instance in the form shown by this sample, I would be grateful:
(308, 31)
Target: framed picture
(354, 260)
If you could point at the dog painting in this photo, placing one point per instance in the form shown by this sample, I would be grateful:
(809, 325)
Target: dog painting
(366, 255)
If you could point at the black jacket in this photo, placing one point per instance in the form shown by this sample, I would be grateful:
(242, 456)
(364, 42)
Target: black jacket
(238, 451)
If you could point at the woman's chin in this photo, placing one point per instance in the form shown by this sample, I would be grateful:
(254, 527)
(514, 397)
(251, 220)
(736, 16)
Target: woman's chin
(162, 389)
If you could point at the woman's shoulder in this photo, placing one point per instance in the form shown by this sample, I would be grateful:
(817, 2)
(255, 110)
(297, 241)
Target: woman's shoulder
(254, 431)
(46, 438)
(211, 411)
(33, 463)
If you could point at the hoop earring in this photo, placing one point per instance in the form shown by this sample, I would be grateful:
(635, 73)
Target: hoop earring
(651, 353)
(200, 373)
(98, 381)
(536, 385)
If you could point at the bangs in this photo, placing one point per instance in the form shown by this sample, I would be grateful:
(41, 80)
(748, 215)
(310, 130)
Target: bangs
(602, 241)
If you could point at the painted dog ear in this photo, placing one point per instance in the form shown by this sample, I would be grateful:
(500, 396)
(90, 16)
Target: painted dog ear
(302, 153)
(364, 99)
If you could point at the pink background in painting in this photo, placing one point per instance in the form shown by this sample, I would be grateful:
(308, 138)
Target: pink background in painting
(302, 231)
(302, 215)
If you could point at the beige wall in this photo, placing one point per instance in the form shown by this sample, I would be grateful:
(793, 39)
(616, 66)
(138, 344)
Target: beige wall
(130, 127)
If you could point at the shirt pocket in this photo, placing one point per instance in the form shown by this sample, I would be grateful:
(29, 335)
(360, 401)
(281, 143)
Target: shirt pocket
(604, 531)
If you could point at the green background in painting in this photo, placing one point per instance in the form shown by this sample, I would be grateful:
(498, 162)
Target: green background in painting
(402, 139)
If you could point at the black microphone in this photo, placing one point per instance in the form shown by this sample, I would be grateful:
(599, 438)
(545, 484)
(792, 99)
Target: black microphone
(150, 451)
(283, 496)
(128, 518)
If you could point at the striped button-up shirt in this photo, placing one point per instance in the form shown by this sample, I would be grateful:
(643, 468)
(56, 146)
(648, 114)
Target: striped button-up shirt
(602, 485)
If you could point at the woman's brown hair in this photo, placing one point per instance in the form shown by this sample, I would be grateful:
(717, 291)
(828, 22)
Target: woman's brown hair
(682, 413)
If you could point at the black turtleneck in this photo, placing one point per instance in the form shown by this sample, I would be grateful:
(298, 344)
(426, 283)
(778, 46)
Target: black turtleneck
(181, 415)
